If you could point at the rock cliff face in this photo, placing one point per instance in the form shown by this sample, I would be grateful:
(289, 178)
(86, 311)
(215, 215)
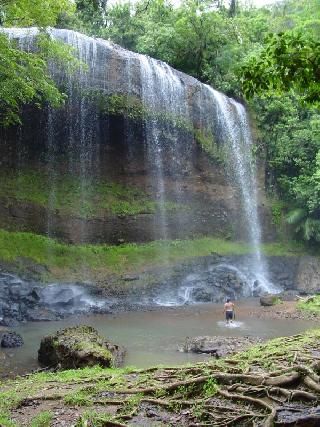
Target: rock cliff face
(137, 153)
(308, 274)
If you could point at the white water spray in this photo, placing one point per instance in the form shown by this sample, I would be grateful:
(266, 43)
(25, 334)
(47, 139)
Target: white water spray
(235, 128)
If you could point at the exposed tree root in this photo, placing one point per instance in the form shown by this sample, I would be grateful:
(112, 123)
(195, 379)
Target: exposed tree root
(222, 393)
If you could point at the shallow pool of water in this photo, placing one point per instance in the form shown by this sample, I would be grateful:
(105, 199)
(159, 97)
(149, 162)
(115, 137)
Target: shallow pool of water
(152, 338)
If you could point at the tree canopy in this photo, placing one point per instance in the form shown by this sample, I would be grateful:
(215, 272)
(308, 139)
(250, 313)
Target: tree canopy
(289, 61)
(24, 75)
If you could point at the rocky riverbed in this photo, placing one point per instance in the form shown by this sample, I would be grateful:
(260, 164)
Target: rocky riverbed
(199, 280)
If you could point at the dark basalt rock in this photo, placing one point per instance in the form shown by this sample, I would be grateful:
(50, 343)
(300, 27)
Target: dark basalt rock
(11, 340)
(24, 300)
(77, 347)
(298, 415)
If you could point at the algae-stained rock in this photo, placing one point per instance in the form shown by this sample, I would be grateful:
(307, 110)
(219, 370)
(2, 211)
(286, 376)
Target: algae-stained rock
(269, 300)
(77, 347)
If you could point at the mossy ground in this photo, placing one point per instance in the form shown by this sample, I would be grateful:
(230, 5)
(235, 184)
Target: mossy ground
(69, 195)
(92, 396)
(311, 305)
(66, 261)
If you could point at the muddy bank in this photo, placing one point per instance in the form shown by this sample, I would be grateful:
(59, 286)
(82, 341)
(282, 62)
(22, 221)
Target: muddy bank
(284, 310)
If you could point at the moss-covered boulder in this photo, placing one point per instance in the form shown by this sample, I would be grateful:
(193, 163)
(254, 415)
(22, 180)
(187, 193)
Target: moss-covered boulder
(77, 347)
(268, 300)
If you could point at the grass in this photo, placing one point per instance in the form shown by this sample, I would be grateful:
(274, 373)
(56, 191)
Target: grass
(72, 196)
(312, 305)
(82, 386)
(43, 419)
(67, 260)
(267, 354)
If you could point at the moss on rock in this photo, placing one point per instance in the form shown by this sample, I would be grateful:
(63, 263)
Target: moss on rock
(77, 347)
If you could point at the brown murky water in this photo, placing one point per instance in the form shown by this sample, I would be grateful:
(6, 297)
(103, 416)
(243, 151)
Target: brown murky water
(152, 338)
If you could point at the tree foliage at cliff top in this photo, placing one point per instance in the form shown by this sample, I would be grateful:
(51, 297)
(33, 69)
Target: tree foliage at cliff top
(24, 75)
(26, 13)
(289, 61)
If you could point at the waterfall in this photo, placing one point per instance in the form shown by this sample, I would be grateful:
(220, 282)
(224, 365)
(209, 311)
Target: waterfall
(81, 143)
(163, 94)
(234, 126)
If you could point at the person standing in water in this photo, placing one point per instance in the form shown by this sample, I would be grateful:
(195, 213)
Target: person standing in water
(229, 310)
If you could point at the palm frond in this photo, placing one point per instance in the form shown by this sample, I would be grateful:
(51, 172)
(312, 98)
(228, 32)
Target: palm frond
(311, 229)
(295, 216)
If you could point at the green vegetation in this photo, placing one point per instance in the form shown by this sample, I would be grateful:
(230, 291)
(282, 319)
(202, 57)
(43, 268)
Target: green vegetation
(310, 304)
(188, 389)
(24, 75)
(291, 133)
(44, 13)
(269, 54)
(66, 261)
(5, 419)
(70, 196)
(77, 399)
(43, 419)
(209, 145)
(277, 208)
(289, 61)
(268, 354)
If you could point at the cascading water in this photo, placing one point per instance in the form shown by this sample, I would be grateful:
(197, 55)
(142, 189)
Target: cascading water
(164, 95)
(80, 143)
(234, 126)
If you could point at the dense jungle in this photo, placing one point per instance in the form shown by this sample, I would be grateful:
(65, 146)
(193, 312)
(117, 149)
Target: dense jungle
(160, 171)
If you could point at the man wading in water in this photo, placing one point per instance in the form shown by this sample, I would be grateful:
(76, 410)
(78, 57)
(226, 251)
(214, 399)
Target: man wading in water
(229, 310)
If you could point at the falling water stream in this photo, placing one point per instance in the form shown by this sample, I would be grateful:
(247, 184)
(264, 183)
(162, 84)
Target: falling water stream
(234, 126)
(169, 96)
(163, 91)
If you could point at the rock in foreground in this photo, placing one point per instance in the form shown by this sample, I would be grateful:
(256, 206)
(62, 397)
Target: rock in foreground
(218, 346)
(77, 347)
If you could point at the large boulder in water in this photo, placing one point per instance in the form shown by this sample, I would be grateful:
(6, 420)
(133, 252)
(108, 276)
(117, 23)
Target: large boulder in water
(77, 347)
(268, 300)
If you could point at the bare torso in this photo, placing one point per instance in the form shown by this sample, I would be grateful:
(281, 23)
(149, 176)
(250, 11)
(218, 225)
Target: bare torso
(229, 306)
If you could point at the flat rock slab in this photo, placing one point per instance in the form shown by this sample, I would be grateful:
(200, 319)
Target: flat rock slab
(298, 415)
(77, 347)
(218, 346)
